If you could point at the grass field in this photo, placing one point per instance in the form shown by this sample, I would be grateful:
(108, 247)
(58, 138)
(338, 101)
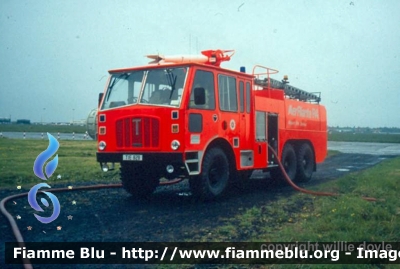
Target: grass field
(366, 137)
(297, 217)
(302, 217)
(42, 128)
(349, 137)
(77, 163)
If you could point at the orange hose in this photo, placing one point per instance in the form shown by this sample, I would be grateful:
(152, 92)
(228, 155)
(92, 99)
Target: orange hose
(297, 188)
(20, 240)
(17, 234)
(14, 226)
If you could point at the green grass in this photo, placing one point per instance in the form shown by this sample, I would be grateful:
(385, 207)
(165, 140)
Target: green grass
(351, 218)
(76, 163)
(303, 217)
(297, 217)
(366, 137)
(41, 128)
(307, 218)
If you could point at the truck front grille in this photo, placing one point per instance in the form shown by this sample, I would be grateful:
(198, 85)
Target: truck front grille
(138, 132)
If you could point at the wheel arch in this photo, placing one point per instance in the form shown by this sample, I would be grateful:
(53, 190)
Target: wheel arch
(226, 148)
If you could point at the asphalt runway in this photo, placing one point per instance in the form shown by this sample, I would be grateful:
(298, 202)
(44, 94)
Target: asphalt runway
(383, 149)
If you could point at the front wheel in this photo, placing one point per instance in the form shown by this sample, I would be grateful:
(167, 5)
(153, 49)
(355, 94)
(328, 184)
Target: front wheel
(138, 181)
(214, 175)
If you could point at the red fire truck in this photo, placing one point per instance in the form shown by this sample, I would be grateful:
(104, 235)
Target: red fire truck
(186, 117)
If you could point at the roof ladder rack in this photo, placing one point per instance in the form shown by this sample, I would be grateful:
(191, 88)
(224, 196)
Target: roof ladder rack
(290, 91)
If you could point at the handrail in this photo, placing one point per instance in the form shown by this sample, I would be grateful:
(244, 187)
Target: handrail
(269, 71)
(289, 90)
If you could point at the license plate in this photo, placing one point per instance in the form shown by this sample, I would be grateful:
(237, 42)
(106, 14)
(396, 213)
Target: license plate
(132, 157)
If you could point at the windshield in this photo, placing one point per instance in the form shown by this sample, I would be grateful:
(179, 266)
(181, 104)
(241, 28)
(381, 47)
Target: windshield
(162, 86)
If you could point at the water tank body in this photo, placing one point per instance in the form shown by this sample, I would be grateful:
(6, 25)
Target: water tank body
(91, 124)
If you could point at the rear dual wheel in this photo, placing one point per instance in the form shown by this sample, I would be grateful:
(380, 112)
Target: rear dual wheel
(305, 163)
(289, 163)
(298, 164)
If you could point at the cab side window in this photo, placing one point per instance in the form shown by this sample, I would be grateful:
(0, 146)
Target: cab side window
(203, 79)
(248, 94)
(227, 93)
(241, 96)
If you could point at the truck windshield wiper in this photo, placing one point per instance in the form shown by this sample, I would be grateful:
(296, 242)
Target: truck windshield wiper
(116, 79)
(171, 81)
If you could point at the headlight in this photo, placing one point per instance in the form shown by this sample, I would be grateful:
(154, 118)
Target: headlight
(175, 144)
(102, 145)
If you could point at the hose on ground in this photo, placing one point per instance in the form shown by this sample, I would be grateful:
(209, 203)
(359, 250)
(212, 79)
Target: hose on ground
(20, 240)
(17, 234)
(297, 188)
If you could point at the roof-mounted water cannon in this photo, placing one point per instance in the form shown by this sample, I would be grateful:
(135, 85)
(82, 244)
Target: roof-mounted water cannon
(211, 57)
(217, 56)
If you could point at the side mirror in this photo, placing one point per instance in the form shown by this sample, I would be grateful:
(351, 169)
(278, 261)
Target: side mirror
(100, 97)
(199, 96)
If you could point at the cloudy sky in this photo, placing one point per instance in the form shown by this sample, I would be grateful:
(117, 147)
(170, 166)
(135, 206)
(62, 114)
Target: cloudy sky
(55, 54)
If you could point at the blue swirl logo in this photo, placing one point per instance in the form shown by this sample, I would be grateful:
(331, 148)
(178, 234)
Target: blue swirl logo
(38, 168)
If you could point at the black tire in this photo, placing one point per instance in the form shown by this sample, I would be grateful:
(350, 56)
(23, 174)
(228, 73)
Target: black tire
(214, 176)
(289, 162)
(305, 163)
(138, 181)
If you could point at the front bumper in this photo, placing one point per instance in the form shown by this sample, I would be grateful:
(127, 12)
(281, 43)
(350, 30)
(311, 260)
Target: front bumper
(154, 161)
(154, 158)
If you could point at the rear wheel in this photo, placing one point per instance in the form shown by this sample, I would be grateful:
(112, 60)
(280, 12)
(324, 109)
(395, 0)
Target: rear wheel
(138, 181)
(305, 163)
(214, 176)
(289, 162)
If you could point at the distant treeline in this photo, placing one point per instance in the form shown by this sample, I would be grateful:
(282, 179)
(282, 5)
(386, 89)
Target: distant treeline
(20, 121)
(387, 130)
(364, 137)
(4, 120)
(23, 122)
(14, 127)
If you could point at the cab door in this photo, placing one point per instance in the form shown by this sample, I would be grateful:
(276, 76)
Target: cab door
(201, 116)
(229, 111)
